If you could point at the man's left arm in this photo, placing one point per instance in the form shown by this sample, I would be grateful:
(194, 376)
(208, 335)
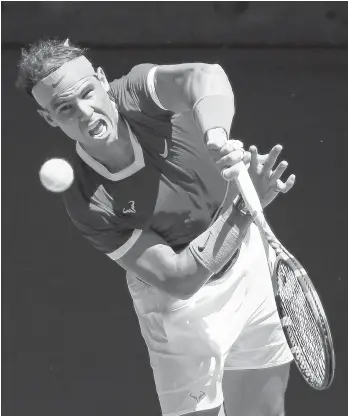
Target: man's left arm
(205, 90)
(179, 87)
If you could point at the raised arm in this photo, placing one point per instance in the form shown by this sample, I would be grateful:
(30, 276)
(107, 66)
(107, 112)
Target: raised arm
(179, 87)
(205, 90)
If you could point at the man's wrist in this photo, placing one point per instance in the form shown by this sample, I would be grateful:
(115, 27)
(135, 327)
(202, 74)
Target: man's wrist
(216, 138)
(214, 247)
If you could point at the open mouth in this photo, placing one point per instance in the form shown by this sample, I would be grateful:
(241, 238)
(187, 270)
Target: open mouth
(99, 130)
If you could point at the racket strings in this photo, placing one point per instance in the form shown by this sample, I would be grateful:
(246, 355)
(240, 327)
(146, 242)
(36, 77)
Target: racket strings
(303, 318)
(305, 337)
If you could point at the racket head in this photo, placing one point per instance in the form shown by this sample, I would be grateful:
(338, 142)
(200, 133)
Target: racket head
(304, 321)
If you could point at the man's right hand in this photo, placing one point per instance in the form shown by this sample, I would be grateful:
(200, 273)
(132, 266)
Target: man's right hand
(226, 153)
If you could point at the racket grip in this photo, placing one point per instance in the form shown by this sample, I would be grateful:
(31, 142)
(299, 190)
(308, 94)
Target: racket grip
(243, 180)
(247, 190)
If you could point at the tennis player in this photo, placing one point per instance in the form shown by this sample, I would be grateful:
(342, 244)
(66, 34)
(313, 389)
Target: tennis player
(148, 183)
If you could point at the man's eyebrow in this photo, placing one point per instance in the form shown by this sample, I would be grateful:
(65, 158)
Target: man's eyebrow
(61, 100)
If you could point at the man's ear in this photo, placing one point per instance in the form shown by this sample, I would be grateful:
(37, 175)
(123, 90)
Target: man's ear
(47, 116)
(102, 78)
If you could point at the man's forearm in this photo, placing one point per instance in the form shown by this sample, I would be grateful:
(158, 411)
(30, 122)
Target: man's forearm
(212, 99)
(208, 253)
(203, 89)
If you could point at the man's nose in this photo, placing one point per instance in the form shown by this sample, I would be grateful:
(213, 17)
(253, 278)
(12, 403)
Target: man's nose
(85, 111)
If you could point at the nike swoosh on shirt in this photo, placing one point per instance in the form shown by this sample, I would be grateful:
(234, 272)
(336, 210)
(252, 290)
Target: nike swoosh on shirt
(165, 153)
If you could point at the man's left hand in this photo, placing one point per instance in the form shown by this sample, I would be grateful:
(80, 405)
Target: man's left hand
(260, 169)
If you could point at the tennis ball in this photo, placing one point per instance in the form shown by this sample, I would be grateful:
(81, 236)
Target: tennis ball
(56, 175)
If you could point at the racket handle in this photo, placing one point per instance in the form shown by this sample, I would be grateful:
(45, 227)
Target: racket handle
(243, 180)
(247, 190)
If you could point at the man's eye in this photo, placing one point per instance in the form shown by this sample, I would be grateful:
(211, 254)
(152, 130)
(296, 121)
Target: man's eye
(86, 93)
(64, 108)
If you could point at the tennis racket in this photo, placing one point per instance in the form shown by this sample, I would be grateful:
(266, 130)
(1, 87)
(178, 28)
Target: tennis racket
(300, 309)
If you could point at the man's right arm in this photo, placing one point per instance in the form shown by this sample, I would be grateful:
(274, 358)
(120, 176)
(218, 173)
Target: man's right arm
(182, 274)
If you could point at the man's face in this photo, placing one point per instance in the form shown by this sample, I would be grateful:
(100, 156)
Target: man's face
(85, 112)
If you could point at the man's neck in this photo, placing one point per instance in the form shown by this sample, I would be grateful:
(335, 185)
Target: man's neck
(115, 156)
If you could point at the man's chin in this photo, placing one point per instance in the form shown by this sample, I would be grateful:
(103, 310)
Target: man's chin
(100, 141)
(111, 139)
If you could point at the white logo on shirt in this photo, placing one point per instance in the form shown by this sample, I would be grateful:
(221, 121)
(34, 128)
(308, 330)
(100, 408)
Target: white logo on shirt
(165, 153)
(130, 210)
(199, 397)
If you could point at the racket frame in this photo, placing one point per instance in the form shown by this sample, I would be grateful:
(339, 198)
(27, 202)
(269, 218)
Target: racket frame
(251, 199)
(317, 308)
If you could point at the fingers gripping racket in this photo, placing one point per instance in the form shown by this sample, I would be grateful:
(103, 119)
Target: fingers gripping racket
(301, 312)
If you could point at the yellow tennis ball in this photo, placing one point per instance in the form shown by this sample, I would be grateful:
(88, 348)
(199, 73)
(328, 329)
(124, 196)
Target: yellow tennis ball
(56, 175)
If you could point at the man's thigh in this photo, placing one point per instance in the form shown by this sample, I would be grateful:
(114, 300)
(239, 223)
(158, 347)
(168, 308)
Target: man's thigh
(255, 392)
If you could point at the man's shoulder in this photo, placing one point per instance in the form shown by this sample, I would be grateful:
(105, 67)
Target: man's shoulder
(96, 202)
(135, 95)
(97, 211)
(136, 78)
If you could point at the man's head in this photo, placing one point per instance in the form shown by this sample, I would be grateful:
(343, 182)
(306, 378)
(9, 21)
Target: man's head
(70, 93)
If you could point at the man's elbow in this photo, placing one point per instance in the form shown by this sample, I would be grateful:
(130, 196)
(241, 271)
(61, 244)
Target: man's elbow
(171, 273)
(208, 79)
(179, 290)
(209, 71)
(186, 277)
(214, 69)
(178, 284)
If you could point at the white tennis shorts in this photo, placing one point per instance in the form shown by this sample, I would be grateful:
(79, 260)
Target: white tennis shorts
(231, 323)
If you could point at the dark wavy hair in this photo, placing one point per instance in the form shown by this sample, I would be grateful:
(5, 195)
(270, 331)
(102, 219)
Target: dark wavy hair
(42, 58)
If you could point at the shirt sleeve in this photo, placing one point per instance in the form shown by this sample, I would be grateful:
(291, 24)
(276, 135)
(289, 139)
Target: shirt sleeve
(136, 92)
(113, 240)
